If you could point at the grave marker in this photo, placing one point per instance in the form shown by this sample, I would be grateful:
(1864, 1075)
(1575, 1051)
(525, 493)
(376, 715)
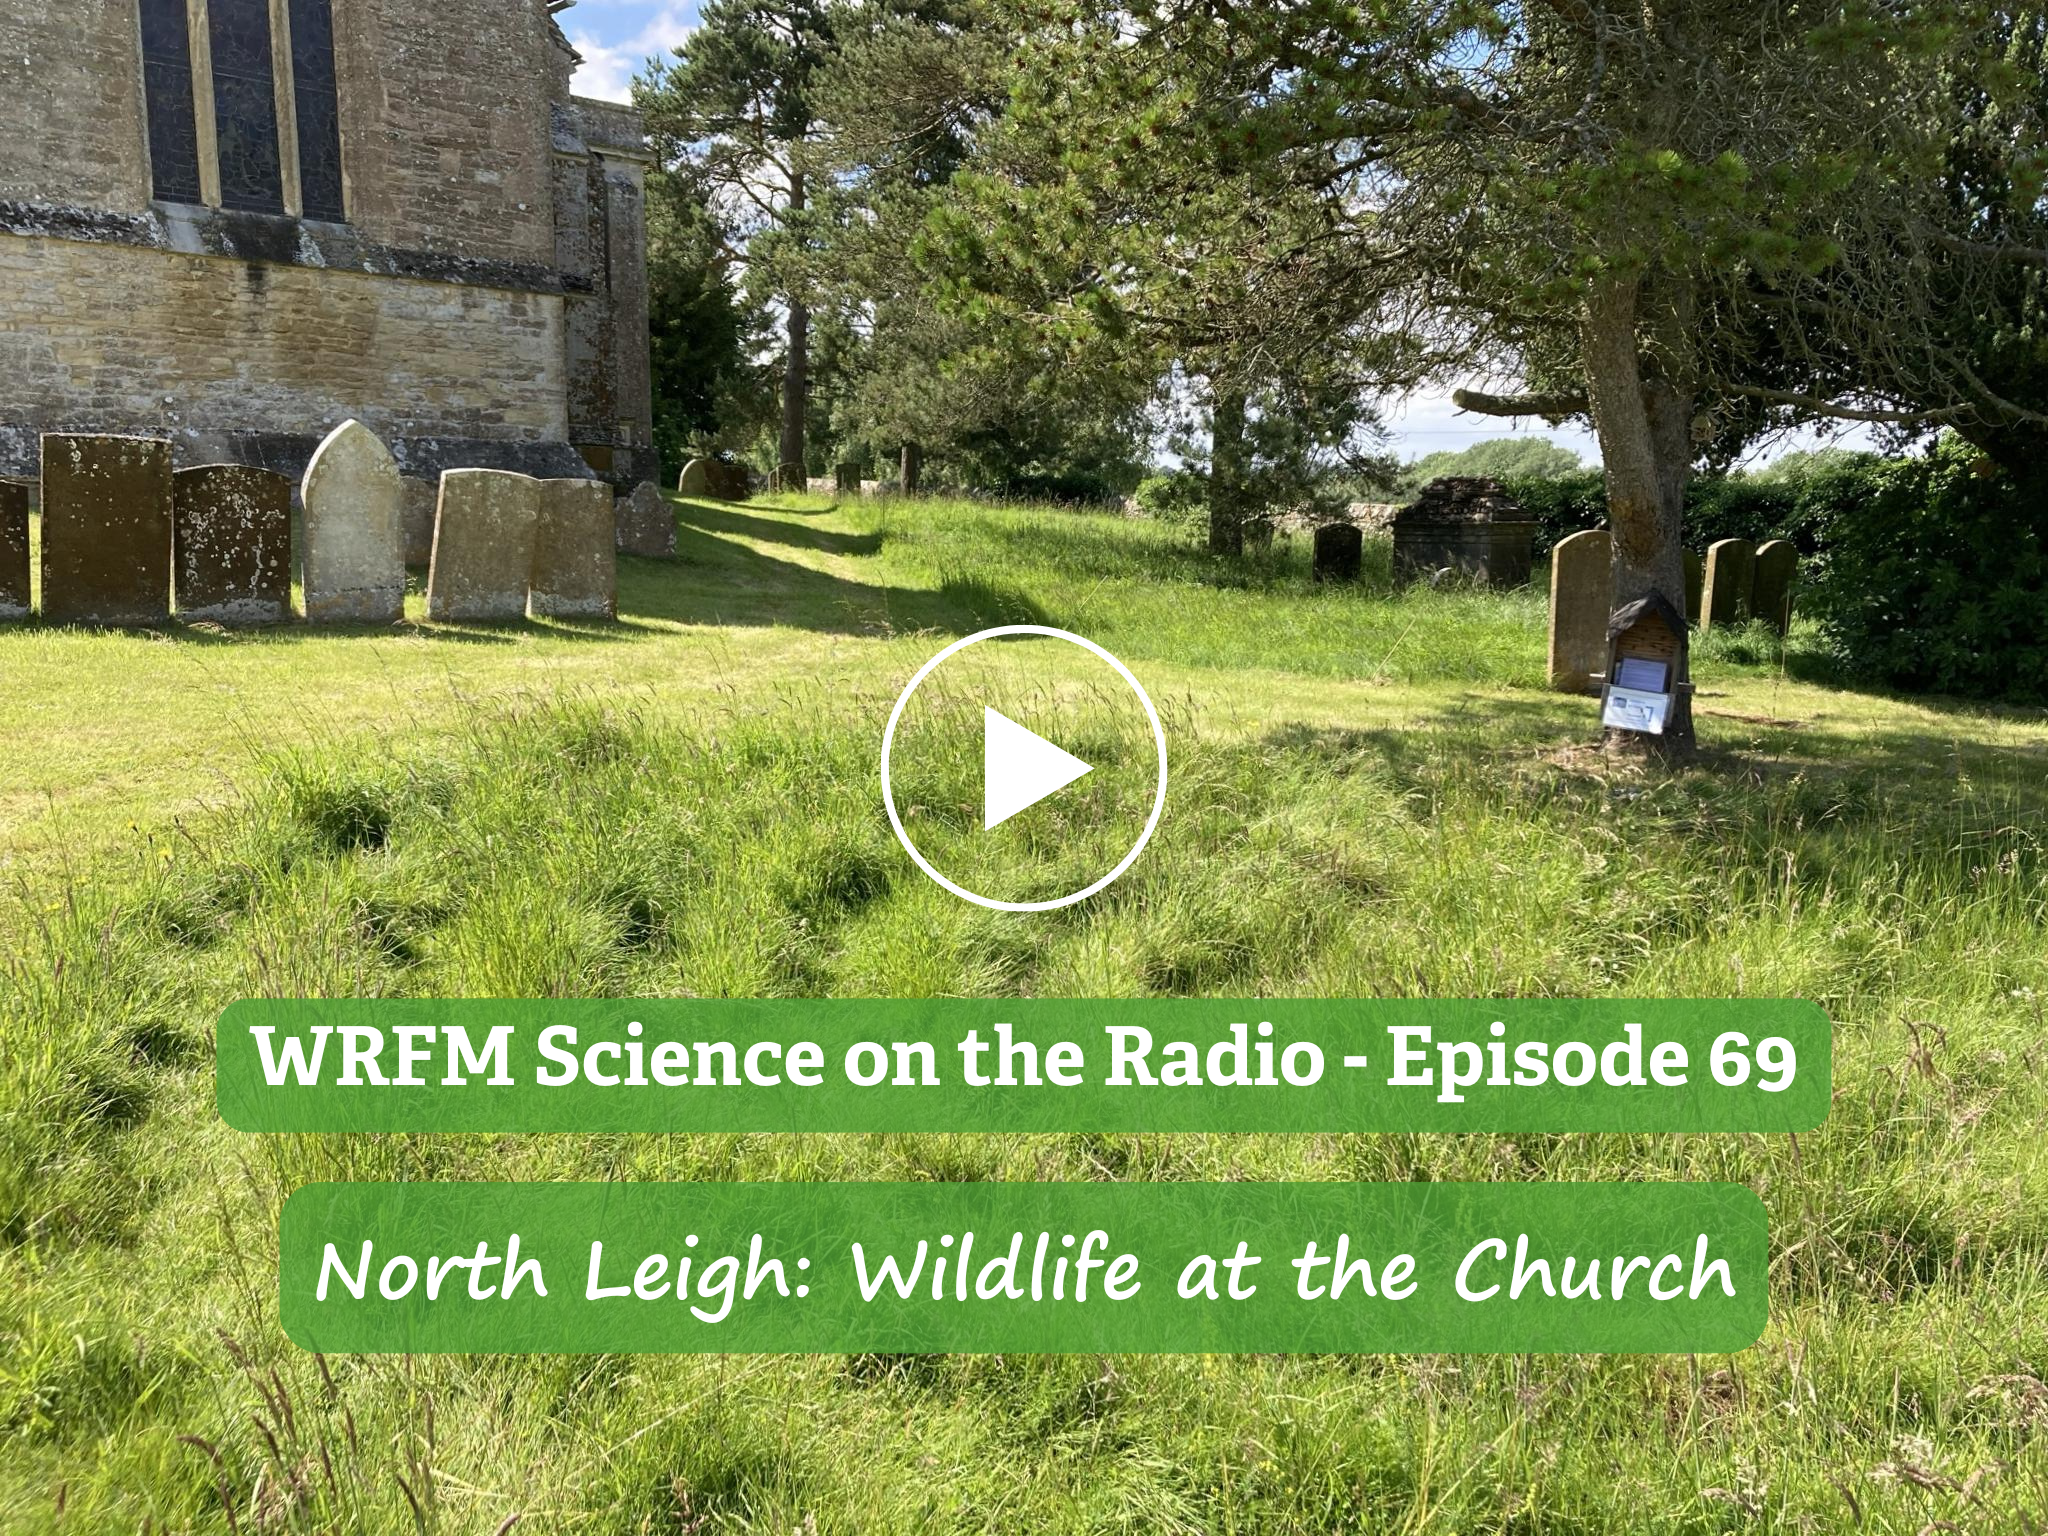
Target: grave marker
(1730, 583)
(422, 504)
(355, 531)
(483, 547)
(647, 524)
(1777, 572)
(106, 530)
(1340, 552)
(14, 561)
(575, 553)
(696, 480)
(232, 545)
(1581, 601)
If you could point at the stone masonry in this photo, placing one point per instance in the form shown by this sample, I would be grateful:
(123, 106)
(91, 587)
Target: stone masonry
(482, 304)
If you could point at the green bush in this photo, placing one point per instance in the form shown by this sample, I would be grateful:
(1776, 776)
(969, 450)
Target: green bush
(1799, 506)
(1937, 580)
(1180, 498)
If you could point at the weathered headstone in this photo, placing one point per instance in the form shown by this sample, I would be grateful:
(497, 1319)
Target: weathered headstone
(355, 531)
(575, 554)
(1777, 570)
(106, 530)
(1695, 587)
(232, 550)
(422, 504)
(1581, 601)
(847, 481)
(1340, 552)
(14, 561)
(789, 480)
(1731, 582)
(647, 524)
(729, 481)
(696, 479)
(483, 546)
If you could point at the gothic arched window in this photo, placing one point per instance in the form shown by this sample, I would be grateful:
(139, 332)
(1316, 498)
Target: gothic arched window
(271, 141)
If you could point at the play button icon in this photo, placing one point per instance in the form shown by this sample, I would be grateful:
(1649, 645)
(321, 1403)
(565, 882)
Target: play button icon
(1019, 768)
(1013, 816)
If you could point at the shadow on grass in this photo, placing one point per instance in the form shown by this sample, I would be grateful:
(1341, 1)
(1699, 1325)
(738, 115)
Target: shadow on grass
(716, 582)
(717, 518)
(1859, 777)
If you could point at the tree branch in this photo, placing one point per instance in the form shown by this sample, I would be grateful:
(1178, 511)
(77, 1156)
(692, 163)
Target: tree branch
(1549, 407)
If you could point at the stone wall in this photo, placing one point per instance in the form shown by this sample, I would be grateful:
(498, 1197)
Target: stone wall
(71, 125)
(207, 347)
(488, 292)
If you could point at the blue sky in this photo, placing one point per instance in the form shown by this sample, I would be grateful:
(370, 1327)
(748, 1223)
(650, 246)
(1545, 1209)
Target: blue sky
(617, 37)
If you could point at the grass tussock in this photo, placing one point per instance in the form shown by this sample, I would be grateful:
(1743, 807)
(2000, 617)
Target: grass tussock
(1890, 867)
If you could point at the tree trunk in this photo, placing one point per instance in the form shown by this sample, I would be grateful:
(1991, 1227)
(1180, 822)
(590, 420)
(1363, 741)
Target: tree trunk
(1644, 424)
(913, 468)
(796, 378)
(1226, 473)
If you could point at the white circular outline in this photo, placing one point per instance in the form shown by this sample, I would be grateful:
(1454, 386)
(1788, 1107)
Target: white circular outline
(889, 747)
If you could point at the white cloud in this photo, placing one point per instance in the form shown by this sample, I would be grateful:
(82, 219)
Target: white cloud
(618, 37)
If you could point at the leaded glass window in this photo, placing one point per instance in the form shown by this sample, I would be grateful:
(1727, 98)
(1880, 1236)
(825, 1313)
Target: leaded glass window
(319, 115)
(167, 81)
(245, 106)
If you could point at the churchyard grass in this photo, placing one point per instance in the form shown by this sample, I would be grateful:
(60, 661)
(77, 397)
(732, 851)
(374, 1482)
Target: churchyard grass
(1372, 796)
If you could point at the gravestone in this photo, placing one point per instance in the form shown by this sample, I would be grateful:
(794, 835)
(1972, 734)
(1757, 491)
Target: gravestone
(1340, 552)
(729, 481)
(355, 531)
(696, 479)
(647, 524)
(575, 554)
(483, 547)
(1730, 583)
(1469, 526)
(232, 545)
(422, 503)
(789, 480)
(848, 480)
(1581, 601)
(14, 562)
(1695, 586)
(1777, 570)
(106, 530)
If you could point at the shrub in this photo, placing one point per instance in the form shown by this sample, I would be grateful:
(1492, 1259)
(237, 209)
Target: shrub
(1937, 580)
(1179, 498)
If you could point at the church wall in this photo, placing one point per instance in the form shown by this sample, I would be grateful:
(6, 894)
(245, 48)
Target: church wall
(108, 337)
(446, 146)
(71, 126)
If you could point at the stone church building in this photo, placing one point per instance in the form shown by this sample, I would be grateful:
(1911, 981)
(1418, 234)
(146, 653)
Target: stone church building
(237, 223)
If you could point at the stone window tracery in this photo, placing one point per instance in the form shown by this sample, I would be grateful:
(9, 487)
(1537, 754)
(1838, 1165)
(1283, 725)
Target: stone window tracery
(243, 106)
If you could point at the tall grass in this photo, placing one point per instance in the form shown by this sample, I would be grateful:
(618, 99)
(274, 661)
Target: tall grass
(1471, 846)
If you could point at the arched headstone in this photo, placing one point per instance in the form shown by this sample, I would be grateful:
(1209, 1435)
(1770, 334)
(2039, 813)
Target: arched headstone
(696, 480)
(1581, 601)
(1777, 571)
(483, 546)
(575, 553)
(355, 530)
(106, 530)
(1731, 583)
(232, 550)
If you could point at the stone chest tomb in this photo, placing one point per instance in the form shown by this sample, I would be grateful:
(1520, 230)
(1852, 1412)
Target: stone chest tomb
(237, 224)
(1471, 528)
